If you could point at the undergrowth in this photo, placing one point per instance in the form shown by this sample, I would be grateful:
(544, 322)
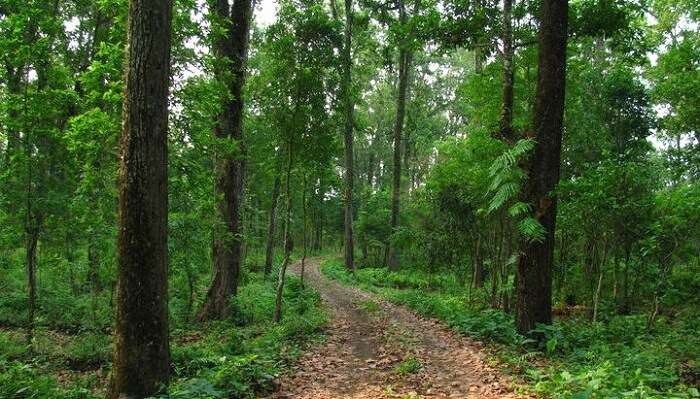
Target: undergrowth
(239, 357)
(617, 358)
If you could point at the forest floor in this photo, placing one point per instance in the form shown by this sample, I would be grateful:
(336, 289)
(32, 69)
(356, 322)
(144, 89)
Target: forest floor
(375, 349)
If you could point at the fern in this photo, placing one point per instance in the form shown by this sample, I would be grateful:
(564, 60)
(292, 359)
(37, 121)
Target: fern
(506, 179)
(518, 209)
(505, 193)
(531, 229)
(511, 156)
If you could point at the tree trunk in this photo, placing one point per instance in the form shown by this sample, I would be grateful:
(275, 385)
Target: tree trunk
(232, 48)
(664, 266)
(287, 241)
(506, 122)
(32, 228)
(349, 106)
(478, 264)
(269, 251)
(505, 272)
(13, 87)
(596, 297)
(405, 59)
(534, 302)
(94, 269)
(191, 281)
(94, 277)
(141, 365)
(494, 287)
(32, 242)
(623, 307)
(304, 235)
(370, 168)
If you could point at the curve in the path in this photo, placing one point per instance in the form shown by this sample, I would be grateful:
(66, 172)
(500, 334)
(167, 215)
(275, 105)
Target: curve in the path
(375, 349)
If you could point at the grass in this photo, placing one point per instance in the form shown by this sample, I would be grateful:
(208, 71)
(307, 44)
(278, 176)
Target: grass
(619, 358)
(369, 306)
(410, 365)
(239, 357)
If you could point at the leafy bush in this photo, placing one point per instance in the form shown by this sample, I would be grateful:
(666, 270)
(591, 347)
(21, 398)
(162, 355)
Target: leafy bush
(238, 357)
(241, 357)
(28, 381)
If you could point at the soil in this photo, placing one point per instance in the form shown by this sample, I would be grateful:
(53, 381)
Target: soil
(375, 349)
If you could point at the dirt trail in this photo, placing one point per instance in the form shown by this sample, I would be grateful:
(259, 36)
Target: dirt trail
(378, 350)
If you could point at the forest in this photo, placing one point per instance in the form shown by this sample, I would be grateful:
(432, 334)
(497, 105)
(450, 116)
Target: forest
(349, 199)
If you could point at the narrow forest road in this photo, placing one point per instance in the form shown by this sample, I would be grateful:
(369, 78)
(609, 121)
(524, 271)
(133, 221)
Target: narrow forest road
(379, 350)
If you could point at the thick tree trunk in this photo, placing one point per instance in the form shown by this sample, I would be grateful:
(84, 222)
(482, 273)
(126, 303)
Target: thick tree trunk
(405, 60)
(141, 365)
(349, 106)
(534, 278)
(506, 122)
(287, 242)
(270, 248)
(232, 49)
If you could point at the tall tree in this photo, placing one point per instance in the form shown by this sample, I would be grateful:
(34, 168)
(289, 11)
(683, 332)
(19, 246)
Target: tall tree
(231, 49)
(534, 276)
(142, 353)
(506, 122)
(272, 224)
(287, 232)
(405, 62)
(349, 107)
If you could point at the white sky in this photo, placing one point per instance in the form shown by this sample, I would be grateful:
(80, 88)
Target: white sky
(265, 12)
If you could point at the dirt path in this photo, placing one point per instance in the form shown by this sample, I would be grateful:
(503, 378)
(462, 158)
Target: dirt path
(378, 350)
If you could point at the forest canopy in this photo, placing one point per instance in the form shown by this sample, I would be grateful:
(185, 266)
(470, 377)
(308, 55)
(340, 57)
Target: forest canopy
(525, 171)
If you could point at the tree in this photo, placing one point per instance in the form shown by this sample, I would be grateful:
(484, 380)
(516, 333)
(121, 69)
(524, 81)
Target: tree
(405, 62)
(272, 224)
(349, 107)
(231, 50)
(287, 232)
(141, 331)
(506, 122)
(534, 276)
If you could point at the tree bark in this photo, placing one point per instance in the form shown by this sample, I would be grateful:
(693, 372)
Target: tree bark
(370, 167)
(349, 107)
(141, 365)
(270, 248)
(506, 122)
(405, 60)
(32, 242)
(13, 87)
(304, 230)
(596, 297)
(287, 241)
(94, 269)
(232, 51)
(478, 275)
(534, 278)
